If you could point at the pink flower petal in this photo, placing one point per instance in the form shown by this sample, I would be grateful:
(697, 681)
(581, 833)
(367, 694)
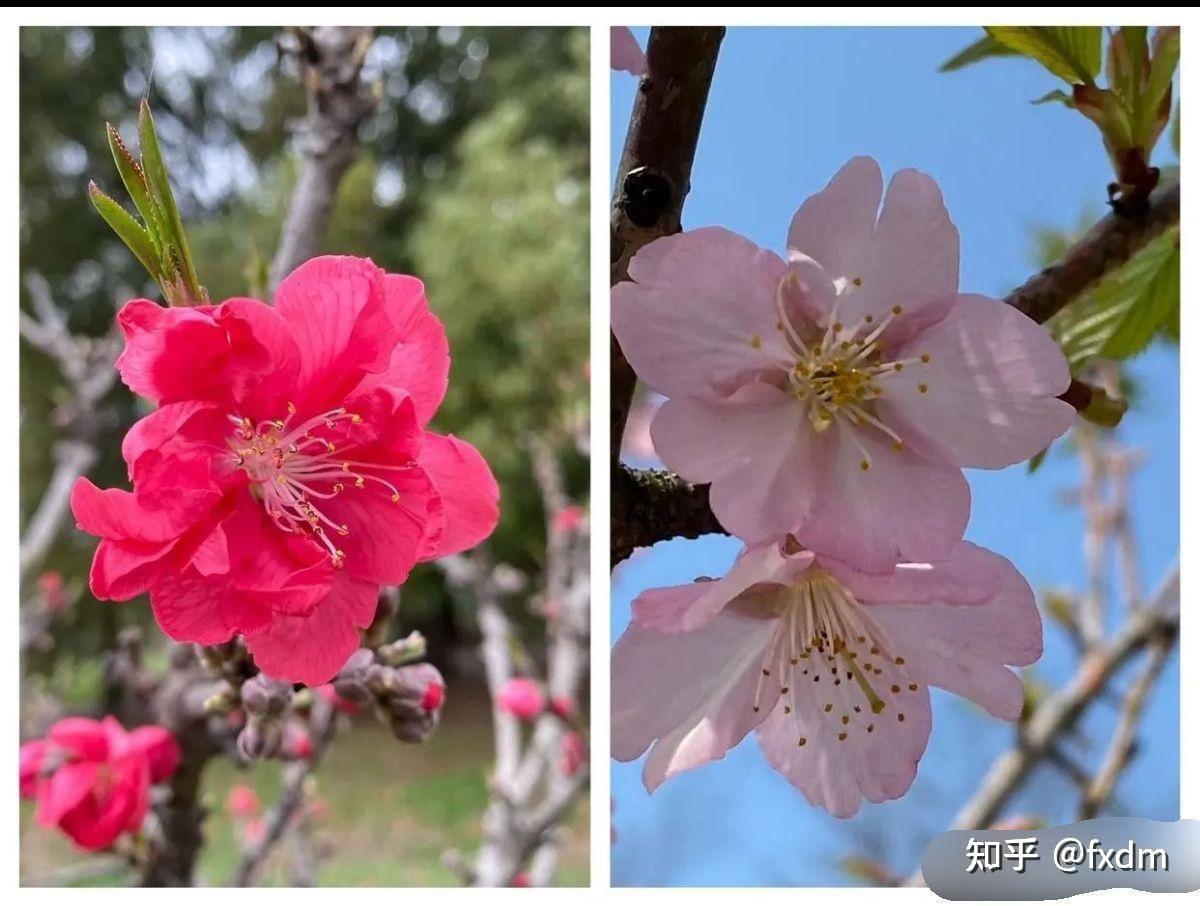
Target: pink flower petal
(764, 461)
(989, 386)
(684, 608)
(159, 749)
(469, 493)
(420, 364)
(312, 649)
(836, 226)
(967, 649)
(970, 575)
(82, 737)
(699, 317)
(688, 697)
(625, 54)
(901, 508)
(33, 755)
(70, 785)
(334, 306)
(840, 764)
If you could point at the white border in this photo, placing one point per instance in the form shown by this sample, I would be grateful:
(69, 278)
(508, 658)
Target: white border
(600, 497)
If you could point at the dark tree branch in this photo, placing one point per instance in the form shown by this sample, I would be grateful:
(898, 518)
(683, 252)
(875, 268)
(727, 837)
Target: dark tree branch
(656, 167)
(649, 505)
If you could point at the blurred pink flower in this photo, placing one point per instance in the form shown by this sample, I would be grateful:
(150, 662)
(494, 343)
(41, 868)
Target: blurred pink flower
(288, 471)
(297, 743)
(563, 707)
(569, 518)
(327, 692)
(625, 54)
(242, 801)
(831, 665)
(839, 394)
(52, 590)
(254, 831)
(92, 779)
(522, 698)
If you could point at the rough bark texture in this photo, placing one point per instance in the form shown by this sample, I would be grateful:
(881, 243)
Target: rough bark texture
(656, 166)
(332, 58)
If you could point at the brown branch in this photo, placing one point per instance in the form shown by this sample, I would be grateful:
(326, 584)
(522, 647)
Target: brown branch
(656, 167)
(331, 58)
(1105, 247)
(649, 505)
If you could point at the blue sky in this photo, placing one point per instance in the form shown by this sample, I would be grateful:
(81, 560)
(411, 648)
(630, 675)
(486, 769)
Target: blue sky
(788, 107)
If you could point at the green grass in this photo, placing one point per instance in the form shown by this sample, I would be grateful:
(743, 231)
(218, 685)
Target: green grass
(393, 811)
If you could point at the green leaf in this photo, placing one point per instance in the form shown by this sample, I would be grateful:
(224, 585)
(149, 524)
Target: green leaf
(1071, 52)
(1124, 312)
(174, 240)
(1152, 306)
(126, 227)
(135, 184)
(985, 48)
(1056, 96)
(1037, 459)
(1164, 61)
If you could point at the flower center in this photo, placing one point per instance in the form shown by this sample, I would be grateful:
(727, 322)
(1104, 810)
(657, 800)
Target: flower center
(842, 372)
(295, 469)
(827, 646)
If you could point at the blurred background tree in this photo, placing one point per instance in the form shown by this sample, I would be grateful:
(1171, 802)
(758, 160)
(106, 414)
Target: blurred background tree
(472, 174)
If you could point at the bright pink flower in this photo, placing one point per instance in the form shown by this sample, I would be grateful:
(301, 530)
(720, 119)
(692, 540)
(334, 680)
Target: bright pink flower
(53, 590)
(242, 801)
(573, 755)
(521, 697)
(563, 707)
(832, 666)
(838, 395)
(92, 779)
(624, 52)
(569, 518)
(288, 471)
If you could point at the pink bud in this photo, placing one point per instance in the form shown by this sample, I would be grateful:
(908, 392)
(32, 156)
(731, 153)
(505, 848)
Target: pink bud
(242, 802)
(297, 742)
(432, 697)
(345, 705)
(521, 879)
(255, 831)
(521, 698)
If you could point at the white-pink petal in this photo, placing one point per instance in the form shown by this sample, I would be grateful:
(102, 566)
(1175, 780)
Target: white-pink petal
(688, 697)
(697, 316)
(986, 398)
(836, 226)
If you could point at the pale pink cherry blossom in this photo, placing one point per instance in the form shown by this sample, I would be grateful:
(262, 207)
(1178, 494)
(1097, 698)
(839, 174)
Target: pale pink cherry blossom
(624, 53)
(838, 394)
(829, 664)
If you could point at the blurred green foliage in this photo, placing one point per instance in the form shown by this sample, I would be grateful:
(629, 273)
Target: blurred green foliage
(473, 175)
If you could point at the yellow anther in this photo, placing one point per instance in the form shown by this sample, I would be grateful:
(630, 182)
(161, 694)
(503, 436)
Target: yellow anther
(864, 465)
(925, 358)
(857, 281)
(896, 309)
(756, 341)
(922, 388)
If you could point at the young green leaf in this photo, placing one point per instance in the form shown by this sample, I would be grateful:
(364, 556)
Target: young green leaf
(135, 184)
(1152, 305)
(1056, 96)
(135, 237)
(1071, 52)
(985, 48)
(160, 188)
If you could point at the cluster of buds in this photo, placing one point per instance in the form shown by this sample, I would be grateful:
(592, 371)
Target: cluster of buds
(407, 695)
(265, 702)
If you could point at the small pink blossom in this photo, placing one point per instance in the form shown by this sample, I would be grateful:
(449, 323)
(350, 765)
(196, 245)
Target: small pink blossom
(521, 697)
(92, 779)
(573, 755)
(297, 742)
(563, 707)
(839, 394)
(289, 471)
(569, 518)
(433, 697)
(242, 801)
(829, 664)
(254, 831)
(625, 53)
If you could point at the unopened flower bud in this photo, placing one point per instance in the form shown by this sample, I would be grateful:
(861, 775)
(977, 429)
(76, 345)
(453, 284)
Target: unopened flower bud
(563, 707)
(263, 695)
(407, 650)
(222, 702)
(259, 738)
(297, 743)
(415, 726)
(417, 688)
(521, 697)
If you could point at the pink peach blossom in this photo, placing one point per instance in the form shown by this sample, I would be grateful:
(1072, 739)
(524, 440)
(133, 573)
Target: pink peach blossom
(573, 755)
(522, 698)
(829, 664)
(569, 518)
(624, 52)
(92, 779)
(288, 472)
(838, 394)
